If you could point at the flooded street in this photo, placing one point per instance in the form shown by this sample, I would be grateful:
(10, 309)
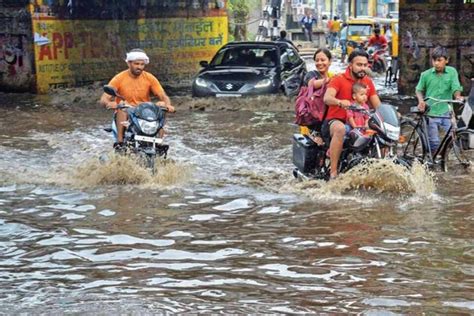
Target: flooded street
(223, 227)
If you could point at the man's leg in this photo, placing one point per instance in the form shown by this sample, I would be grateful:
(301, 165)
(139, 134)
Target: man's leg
(433, 133)
(121, 117)
(310, 32)
(337, 131)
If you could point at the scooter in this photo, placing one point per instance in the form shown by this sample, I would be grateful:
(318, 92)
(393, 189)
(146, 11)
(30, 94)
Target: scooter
(377, 59)
(141, 136)
(378, 141)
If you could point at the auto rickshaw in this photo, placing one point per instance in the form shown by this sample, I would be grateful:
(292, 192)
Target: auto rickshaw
(359, 31)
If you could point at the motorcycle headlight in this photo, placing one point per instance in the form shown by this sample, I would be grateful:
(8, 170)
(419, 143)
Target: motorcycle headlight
(202, 83)
(263, 83)
(392, 132)
(147, 127)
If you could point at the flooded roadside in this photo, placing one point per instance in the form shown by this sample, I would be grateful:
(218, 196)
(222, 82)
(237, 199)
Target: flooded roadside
(225, 228)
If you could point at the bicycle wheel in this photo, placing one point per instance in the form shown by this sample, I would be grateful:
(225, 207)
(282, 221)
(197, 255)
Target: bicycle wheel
(454, 155)
(412, 144)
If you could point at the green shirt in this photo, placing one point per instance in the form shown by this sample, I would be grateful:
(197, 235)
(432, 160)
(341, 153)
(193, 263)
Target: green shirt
(439, 86)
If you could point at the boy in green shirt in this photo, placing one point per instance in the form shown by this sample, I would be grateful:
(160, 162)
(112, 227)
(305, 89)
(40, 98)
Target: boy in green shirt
(440, 82)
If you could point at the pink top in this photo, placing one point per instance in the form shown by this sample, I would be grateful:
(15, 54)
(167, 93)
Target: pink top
(360, 119)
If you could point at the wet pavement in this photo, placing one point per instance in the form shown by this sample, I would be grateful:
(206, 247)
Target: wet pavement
(223, 227)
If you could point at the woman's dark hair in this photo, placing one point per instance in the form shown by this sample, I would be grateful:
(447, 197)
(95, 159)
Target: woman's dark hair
(358, 52)
(325, 51)
(439, 52)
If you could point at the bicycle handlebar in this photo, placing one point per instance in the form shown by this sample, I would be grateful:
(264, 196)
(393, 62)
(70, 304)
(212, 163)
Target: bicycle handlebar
(444, 101)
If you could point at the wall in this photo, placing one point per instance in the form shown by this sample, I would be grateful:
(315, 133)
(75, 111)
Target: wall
(80, 52)
(71, 43)
(424, 25)
(16, 50)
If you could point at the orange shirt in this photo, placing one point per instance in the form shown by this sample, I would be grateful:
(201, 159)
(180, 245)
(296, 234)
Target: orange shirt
(136, 90)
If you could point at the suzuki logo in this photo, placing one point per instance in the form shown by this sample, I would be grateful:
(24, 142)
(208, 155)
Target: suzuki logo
(229, 86)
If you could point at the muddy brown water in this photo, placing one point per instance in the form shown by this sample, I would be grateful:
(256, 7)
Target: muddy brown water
(223, 227)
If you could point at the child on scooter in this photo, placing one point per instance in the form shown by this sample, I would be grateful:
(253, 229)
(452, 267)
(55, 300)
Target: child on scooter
(358, 119)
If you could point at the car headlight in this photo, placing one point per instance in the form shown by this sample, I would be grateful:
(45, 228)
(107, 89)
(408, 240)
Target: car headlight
(202, 83)
(147, 127)
(263, 83)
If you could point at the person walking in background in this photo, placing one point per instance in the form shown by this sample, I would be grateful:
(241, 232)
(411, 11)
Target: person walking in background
(334, 29)
(343, 42)
(307, 26)
(324, 20)
(283, 38)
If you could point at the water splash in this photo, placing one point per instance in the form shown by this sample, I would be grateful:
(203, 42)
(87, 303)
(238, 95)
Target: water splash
(374, 175)
(121, 170)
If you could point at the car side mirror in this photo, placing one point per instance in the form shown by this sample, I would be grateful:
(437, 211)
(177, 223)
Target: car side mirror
(204, 63)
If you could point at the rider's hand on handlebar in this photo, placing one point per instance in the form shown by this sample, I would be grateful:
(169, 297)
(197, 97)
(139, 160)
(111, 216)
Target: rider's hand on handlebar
(111, 105)
(171, 109)
(422, 106)
(344, 104)
(163, 105)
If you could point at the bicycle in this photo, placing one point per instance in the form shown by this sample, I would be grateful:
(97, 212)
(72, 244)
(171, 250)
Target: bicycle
(458, 140)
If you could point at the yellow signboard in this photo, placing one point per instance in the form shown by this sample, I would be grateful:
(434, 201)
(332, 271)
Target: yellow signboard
(78, 52)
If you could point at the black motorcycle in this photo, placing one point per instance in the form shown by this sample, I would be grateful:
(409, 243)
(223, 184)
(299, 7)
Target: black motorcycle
(378, 141)
(141, 136)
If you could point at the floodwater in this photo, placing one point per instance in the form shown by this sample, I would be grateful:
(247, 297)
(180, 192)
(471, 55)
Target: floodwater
(223, 227)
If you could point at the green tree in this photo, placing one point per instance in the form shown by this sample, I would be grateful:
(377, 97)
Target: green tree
(238, 14)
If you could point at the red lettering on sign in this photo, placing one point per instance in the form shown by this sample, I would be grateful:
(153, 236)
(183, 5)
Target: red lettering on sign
(68, 43)
(57, 44)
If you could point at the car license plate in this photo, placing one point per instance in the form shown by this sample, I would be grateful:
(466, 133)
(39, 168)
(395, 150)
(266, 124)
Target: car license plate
(228, 95)
(149, 139)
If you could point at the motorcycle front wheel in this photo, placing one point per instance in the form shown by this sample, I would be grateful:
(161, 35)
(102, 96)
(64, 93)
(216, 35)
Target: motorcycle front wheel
(150, 163)
(379, 66)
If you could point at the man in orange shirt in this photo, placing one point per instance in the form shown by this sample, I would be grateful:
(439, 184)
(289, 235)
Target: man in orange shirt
(135, 85)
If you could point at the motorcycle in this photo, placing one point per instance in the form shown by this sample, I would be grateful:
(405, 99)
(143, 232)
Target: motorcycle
(141, 136)
(378, 141)
(377, 59)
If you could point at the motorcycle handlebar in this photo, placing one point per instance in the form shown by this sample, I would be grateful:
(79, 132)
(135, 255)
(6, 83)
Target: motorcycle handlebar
(357, 109)
(124, 106)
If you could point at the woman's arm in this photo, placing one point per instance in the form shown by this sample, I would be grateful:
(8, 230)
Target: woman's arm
(318, 83)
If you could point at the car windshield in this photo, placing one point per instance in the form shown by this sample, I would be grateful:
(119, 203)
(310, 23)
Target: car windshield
(359, 30)
(246, 56)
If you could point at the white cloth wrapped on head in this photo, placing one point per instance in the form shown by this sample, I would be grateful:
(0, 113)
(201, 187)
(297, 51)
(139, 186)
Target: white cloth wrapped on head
(132, 56)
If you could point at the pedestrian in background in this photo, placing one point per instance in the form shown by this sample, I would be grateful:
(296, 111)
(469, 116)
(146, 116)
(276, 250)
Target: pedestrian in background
(334, 29)
(307, 26)
(324, 20)
(343, 42)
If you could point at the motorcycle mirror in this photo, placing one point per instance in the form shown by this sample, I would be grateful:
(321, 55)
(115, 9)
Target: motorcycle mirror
(111, 91)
